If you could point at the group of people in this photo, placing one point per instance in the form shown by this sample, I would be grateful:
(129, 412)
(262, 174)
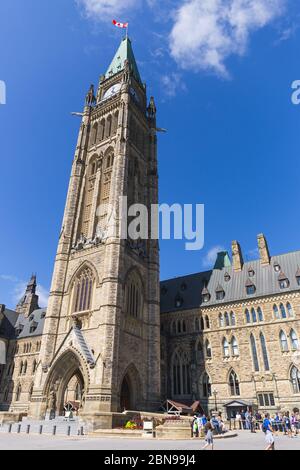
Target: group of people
(207, 427)
(287, 423)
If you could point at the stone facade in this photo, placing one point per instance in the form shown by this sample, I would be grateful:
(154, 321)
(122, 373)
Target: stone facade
(113, 337)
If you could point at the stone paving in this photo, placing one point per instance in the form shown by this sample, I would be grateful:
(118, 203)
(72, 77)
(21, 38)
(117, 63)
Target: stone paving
(244, 441)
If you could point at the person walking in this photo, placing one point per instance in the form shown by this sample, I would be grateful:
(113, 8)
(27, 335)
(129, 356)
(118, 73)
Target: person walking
(267, 429)
(208, 437)
(195, 427)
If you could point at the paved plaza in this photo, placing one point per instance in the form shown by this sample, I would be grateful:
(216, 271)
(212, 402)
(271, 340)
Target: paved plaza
(244, 441)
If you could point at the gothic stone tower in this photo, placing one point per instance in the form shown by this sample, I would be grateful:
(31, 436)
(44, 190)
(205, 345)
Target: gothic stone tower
(102, 329)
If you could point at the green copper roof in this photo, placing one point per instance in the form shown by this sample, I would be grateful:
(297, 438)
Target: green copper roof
(124, 52)
(222, 261)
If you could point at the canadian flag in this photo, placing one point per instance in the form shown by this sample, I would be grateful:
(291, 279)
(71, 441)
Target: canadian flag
(120, 25)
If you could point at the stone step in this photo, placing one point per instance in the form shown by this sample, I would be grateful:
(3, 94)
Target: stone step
(119, 433)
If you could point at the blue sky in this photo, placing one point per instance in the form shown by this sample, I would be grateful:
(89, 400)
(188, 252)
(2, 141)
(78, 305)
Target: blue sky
(221, 72)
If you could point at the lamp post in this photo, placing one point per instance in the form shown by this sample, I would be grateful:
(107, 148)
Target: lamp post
(215, 393)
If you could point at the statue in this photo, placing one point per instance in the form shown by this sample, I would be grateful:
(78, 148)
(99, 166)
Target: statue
(81, 242)
(151, 108)
(90, 99)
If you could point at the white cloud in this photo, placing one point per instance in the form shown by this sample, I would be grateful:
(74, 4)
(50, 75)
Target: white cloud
(104, 9)
(211, 256)
(171, 83)
(207, 32)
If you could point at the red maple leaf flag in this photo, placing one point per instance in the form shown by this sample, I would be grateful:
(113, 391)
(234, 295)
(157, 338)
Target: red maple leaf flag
(120, 25)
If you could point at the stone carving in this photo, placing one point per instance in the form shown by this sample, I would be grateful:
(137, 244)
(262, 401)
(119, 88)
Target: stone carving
(52, 402)
(138, 247)
(90, 99)
(151, 108)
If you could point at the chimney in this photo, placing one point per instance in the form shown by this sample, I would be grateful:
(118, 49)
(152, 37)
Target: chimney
(237, 256)
(263, 250)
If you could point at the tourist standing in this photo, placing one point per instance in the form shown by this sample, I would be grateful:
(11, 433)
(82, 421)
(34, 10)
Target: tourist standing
(208, 437)
(238, 419)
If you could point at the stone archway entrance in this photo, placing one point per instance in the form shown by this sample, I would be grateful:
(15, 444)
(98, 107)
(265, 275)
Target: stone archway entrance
(126, 395)
(66, 383)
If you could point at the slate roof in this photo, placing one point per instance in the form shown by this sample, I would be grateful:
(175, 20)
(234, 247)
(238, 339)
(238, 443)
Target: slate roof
(12, 321)
(123, 53)
(265, 279)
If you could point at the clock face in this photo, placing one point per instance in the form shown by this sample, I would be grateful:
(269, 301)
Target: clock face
(112, 91)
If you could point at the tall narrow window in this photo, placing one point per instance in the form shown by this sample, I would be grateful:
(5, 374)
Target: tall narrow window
(83, 289)
(221, 320)
(295, 379)
(206, 386)
(260, 314)
(282, 311)
(234, 347)
(181, 374)
(225, 348)
(234, 384)
(276, 312)
(254, 353)
(290, 310)
(208, 349)
(247, 316)
(197, 324)
(227, 322)
(294, 340)
(253, 315)
(232, 318)
(283, 342)
(264, 351)
(207, 323)
(134, 297)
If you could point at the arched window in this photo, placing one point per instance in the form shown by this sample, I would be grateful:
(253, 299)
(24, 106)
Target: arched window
(234, 385)
(207, 323)
(247, 316)
(181, 374)
(290, 310)
(94, 133)
(21, 368)
(253, 315)
(25, 368)
(232, 318)
(83, 291)
(208, 349)
(260, 314)
(264, 351)
(202, 323)
(115, 123)
(225, 348)
(18, 392)
(276, 312)
(221, 320)
(34, 366)
(295, 379)
(197, 324)
(134, 297)
(206, 386)
(254, 353)
(294, 340)
(283, 342)
(282, 311)
(178, 326)
(173, 328)
(199, 351)
(108, 126)
(183, 326)
(234, 347)
(226, 317)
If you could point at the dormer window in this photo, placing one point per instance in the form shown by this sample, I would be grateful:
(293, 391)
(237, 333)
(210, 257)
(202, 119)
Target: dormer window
(31, 318)
(227, 277)
(220, 293)
(277, 267)
(43, 315)
(164, 290)
(298, 276)
(19, 329)
(33, 327)
(250, 287)
(205, 295)
(178, 302)
(283, 281)
(251, 272)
